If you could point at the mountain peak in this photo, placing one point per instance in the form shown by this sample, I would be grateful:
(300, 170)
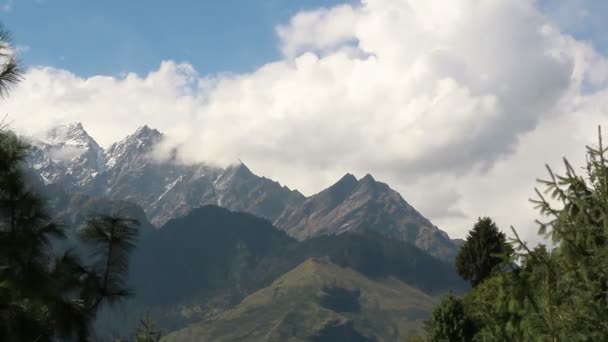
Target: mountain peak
(237, 170)
(348, 177)
(340, 190)
(146, 131)
(144, 137)
(367, 179)
(69, 134)
(345, 184)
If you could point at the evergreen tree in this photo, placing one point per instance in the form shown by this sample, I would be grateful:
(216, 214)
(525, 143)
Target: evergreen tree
(450, 322)
(566, 289)
(147, 331)
(558, 294)
(45, 296)
(10, 73)
(482, 252)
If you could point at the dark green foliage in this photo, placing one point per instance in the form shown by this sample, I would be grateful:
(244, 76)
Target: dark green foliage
(564, 291)
(450, 322)
(10, 72)
(45, 295)
(557, 294)
(147, 331)
(111, 240)
(483, 252)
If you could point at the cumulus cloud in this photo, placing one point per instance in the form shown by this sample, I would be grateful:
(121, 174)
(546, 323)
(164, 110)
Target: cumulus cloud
(456, 104)
(319, 30)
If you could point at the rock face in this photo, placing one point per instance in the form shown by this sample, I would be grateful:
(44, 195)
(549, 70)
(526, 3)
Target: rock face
(365, 204)
(68, 157)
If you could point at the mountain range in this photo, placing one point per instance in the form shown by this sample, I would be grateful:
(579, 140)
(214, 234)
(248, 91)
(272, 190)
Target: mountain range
(67, 160)
(218, 275)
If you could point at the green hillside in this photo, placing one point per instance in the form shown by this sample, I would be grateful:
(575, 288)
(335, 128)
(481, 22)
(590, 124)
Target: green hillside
(318, 301)
(216, 258)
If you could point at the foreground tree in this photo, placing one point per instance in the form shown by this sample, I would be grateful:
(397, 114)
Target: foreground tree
(483, 252)
(559, 293)
(147, 331)
(565, 290)
(450, 322)
(45, 295)
(10, 73)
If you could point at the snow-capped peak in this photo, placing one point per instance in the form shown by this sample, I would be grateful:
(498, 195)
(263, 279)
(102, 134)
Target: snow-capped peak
(70, 134)
(134, 147)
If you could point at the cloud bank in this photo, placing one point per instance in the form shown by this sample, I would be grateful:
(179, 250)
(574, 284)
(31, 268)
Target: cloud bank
(456, 104)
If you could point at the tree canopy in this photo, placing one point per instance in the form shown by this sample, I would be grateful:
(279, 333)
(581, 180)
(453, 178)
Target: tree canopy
(483, 252)
(48, 294)
(545, 294)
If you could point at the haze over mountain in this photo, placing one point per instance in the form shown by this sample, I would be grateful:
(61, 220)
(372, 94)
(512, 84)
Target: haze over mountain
(165, 188)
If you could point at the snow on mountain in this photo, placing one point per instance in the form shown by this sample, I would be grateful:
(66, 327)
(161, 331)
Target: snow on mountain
(68, 155)
(126, 171)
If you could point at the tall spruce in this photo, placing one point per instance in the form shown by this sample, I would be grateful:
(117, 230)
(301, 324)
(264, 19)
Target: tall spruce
(558, 293)
(483, 252)
(565, 289)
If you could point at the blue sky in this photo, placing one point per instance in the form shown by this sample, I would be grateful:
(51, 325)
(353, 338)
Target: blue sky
(114, 36)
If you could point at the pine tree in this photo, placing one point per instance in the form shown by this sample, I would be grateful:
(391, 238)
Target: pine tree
(483, 252)
(569, 285)
(450, 322)
(10, 73)
(147, 331)
(558, 294)
(45, 296)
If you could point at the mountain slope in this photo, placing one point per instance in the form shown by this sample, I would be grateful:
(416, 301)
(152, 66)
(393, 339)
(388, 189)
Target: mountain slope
(365, 205)
(318, 301)
(128, 171)
(216, 257)
(69, 156)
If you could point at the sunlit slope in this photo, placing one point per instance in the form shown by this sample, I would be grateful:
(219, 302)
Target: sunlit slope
(318, 301)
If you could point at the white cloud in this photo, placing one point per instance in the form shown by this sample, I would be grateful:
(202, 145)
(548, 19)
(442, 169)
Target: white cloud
(319, 30)
(456, 104)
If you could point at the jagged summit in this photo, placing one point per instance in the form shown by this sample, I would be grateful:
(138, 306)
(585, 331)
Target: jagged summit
(339, 191)
(127, 171)
(69, 134)
(144, 136)
(67, 155)
(146, 131)
(368, 178)
(361, 205)
(134, 148)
